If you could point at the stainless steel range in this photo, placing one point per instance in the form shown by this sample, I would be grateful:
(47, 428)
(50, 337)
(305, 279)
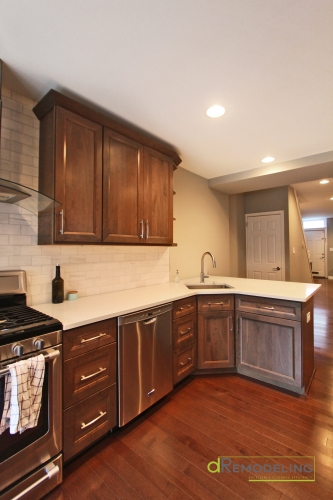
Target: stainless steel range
(31, 461)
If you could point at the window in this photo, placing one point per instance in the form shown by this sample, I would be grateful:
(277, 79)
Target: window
(314, 224)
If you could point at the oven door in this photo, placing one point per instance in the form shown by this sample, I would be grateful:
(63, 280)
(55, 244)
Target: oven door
(20, 454)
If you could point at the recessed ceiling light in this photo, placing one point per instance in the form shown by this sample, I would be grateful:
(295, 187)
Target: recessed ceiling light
(324, 181)
(268, 159)
(215, 111)
(331, 198)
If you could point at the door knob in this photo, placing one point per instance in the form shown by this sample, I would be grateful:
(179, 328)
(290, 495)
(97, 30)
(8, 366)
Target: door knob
(276, 268)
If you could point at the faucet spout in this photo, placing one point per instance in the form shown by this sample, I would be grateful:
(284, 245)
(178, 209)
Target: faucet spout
(202, 274)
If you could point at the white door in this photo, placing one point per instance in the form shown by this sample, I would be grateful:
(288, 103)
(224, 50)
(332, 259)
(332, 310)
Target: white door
(265, 246)
(315, 241)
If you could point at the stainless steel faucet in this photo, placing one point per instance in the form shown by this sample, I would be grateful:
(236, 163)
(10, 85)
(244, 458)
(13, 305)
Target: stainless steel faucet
(202, 274)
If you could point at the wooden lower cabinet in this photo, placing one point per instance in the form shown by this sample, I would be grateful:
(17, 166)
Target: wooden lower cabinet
(89, 385)
(87, 421)
(269, 349)
(216, 340)
(275, 341)
(184, 362)
(184, 337)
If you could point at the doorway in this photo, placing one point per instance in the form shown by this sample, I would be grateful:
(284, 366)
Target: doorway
(265, 257)
(315, 242)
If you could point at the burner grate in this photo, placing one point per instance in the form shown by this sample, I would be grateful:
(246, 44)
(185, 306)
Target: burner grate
(20, 317)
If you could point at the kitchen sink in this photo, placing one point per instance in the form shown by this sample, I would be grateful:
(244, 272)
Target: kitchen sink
(208, 286)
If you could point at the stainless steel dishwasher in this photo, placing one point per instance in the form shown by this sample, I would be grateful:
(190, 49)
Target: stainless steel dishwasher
(144, 360)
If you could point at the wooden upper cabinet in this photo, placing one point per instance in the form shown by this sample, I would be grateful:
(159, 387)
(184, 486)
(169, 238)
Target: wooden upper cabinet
(158, 198)
(78, 178)
(113, 181)
(122, 189)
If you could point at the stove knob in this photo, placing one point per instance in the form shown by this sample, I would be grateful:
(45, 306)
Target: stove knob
(39, 344)
(18, 349)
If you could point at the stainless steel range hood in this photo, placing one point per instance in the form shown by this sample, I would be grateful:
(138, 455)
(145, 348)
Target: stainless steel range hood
(25, 197)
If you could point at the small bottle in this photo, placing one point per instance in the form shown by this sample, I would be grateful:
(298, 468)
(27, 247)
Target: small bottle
(177, 277)
(57, 287)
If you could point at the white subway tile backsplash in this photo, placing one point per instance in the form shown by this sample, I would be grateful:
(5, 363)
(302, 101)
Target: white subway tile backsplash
(90, 269)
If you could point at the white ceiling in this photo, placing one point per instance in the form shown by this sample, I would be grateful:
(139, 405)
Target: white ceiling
(160, 64)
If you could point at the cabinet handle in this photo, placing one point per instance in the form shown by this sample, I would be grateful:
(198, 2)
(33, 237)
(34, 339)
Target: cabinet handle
(215, 303)
(61, 230)
(147, 229)
(85, 377)
(141, 224)
(151, 392)
(186, 362)
(266, 307)
(101, 414)
(93, 338)
(184, 333)
(231, 325)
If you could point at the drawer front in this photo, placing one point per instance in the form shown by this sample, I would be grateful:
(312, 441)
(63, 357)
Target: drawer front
(184, 306)
(184, 362)
(85, 338)
(184, 330)
(215, 303)
(89, 373)
(283, 309)
(89, 420)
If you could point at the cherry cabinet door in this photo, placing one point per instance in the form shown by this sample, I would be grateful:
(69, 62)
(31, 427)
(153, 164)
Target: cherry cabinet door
(78, 178)
(122, 189)
(158, 198)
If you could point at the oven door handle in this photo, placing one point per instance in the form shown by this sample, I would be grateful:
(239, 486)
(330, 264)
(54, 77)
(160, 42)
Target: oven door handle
(51, 354)
(51, 470)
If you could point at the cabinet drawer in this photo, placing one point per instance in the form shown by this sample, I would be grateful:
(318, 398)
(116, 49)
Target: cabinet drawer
(86, 374)
(184, 362)
(184, 306)
(283, 309)
(184, 330)
(85, 338)
(215, 303)
(89, 420)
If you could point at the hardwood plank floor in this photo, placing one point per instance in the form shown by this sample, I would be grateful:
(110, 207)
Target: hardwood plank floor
(164, 453)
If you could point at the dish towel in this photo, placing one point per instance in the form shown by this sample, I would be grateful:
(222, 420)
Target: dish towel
(23, 394)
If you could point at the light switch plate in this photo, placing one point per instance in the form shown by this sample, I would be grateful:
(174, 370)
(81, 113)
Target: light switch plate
(308, 317)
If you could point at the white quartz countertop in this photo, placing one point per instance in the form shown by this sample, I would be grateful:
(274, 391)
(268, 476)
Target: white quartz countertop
(94, 308)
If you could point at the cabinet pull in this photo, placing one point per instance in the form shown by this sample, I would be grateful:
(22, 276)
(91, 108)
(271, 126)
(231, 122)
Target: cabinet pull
(61, 230)
(85, 377)
(101, 414)
(184, 333)
(93, 338)
(186, 362)
(147, 229)
(231, 325)
(266, 307)
(150, 392)
(141, 224)
(215, 303)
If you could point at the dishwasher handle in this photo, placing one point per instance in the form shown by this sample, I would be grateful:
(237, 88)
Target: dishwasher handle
(149, 321)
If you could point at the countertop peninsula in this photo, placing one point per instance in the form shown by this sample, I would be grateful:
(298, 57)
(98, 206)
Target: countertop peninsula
(85, 310)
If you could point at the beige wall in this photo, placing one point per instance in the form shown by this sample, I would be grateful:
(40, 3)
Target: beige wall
(237, 239)
(202, 224)
(299, 262)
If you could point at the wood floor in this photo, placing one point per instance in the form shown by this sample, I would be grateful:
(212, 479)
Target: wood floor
(165, 452)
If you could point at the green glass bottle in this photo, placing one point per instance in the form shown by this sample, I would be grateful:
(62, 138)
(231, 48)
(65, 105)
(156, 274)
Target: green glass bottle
(57, 287)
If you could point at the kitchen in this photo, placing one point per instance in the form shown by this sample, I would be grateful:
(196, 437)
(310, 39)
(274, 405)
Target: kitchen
(96, 269)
